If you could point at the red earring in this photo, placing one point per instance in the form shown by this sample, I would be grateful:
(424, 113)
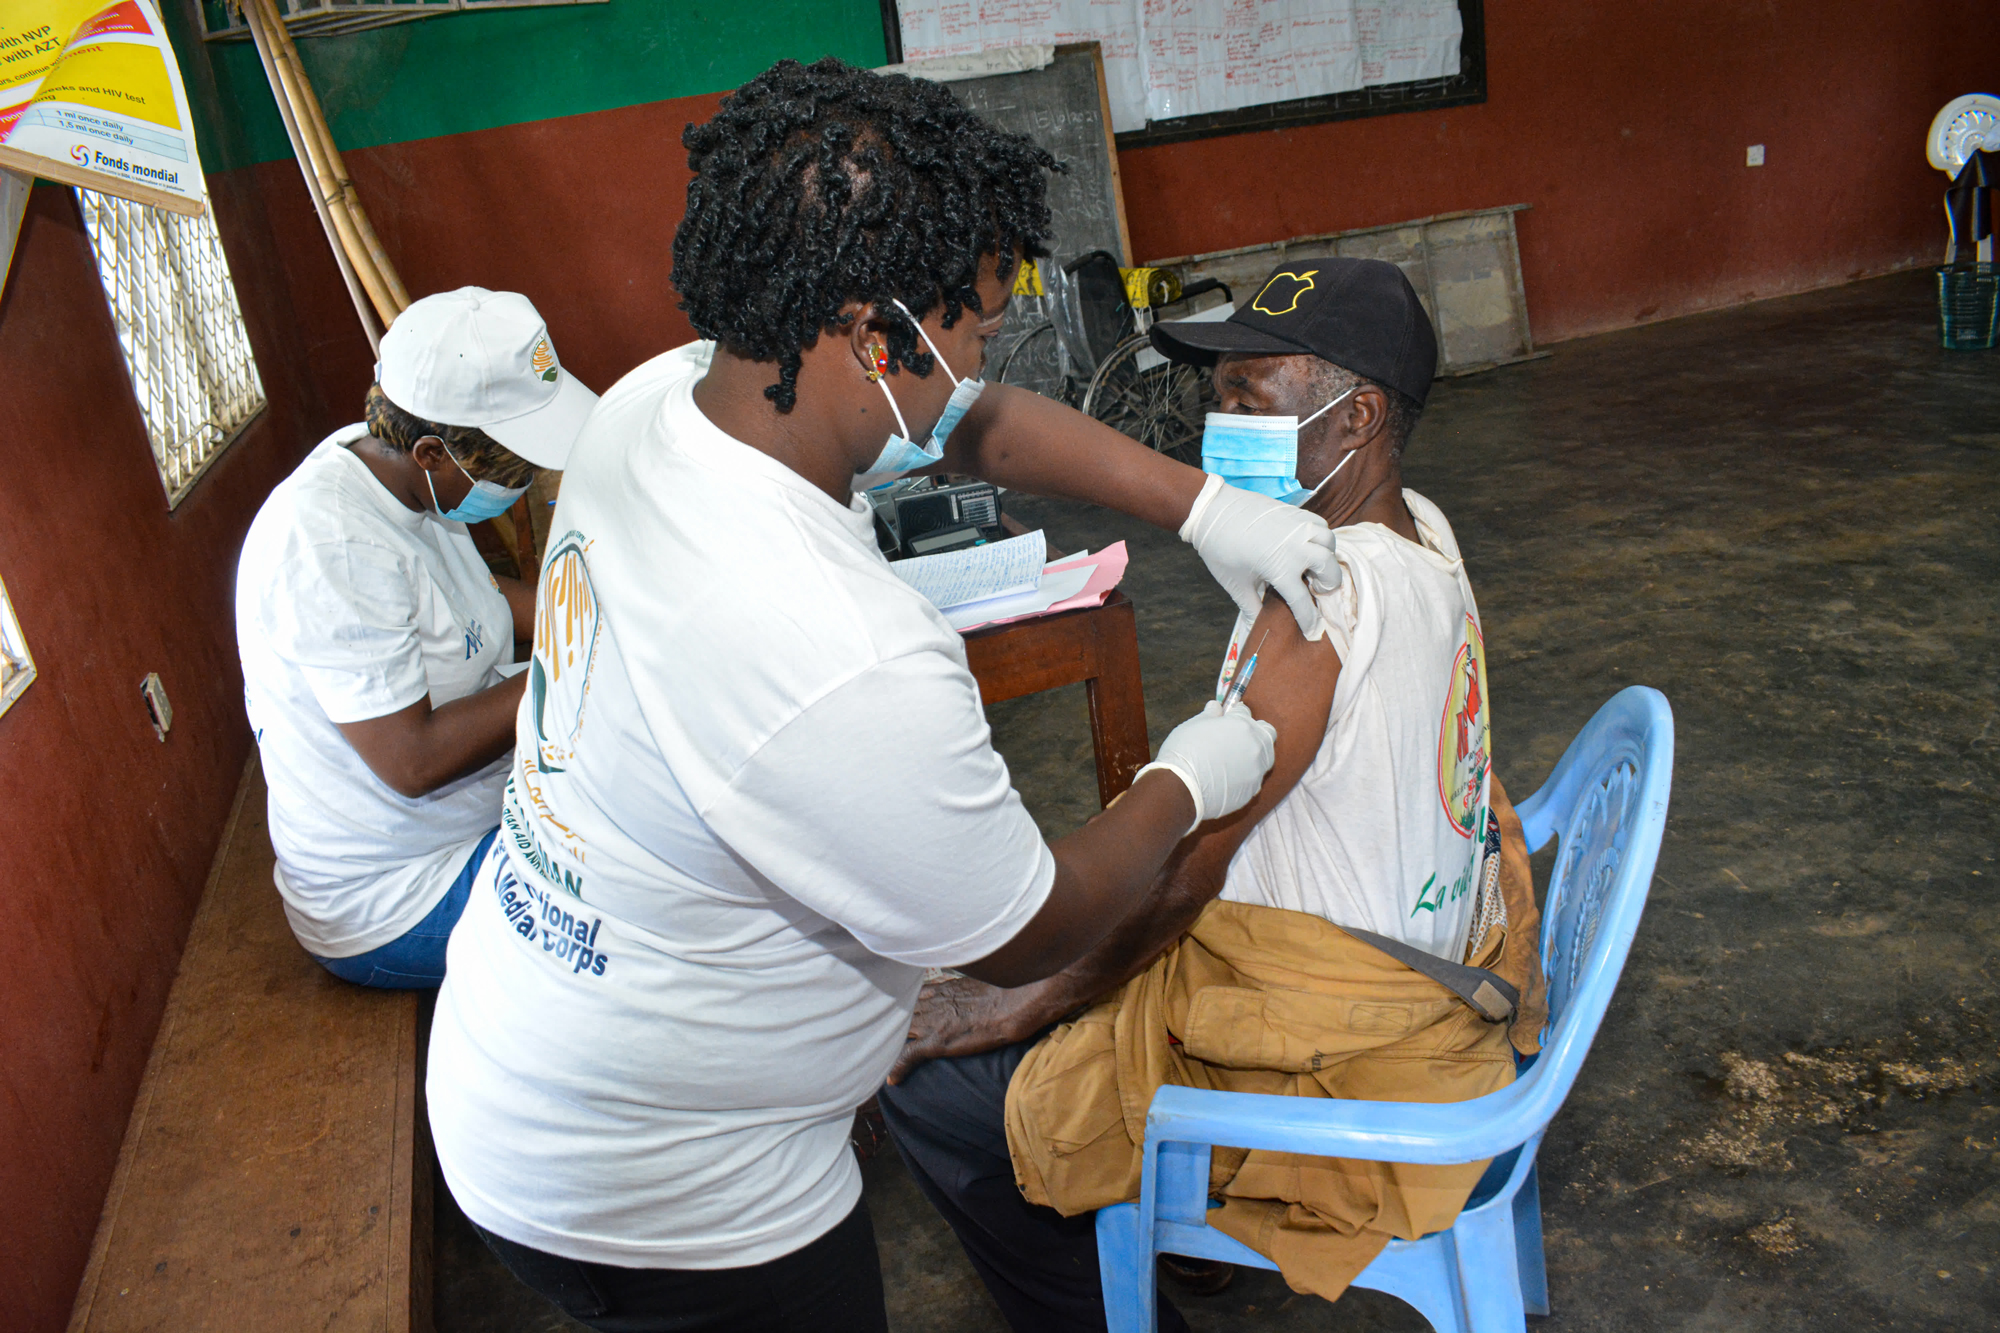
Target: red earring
(881, 361)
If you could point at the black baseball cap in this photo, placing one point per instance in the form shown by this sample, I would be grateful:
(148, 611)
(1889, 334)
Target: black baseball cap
(1360, 314)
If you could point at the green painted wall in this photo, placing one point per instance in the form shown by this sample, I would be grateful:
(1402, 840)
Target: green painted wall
(473, 71)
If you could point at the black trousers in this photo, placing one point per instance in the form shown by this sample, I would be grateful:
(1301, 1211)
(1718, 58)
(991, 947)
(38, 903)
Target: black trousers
(947, 1121)
(833, 1285)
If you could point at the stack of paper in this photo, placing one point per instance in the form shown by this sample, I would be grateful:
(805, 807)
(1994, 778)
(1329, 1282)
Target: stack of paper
(978, 573)
(1010, 580)
(1055, 585)
(1099, 573)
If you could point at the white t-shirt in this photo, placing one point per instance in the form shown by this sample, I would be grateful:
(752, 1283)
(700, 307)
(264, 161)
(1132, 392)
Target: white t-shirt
(753, 797)
(350, 606)
(1386, 830)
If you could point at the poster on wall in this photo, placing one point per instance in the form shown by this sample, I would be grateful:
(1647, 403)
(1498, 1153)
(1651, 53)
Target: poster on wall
(17, 666)
(91, 95)
(1166, 59)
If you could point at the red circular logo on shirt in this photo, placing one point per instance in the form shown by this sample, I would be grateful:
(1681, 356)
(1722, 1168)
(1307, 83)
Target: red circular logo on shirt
(1462, 734)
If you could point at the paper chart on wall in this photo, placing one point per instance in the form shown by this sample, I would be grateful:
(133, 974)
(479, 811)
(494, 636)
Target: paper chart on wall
(1219, 55)
(1165, 59)
(934, 28)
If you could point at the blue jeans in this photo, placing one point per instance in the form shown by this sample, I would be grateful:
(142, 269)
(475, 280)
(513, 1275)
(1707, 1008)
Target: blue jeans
(415, 961)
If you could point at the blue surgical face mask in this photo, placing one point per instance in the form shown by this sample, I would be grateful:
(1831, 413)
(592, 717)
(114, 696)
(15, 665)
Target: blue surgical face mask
(899, 455)
(1261, 453)
(485, 500)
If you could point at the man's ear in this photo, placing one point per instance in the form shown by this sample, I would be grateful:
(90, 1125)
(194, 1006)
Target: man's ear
(1368, 414)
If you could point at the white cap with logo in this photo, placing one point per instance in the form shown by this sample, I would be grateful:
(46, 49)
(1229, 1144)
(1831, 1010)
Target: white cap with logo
(479, 358)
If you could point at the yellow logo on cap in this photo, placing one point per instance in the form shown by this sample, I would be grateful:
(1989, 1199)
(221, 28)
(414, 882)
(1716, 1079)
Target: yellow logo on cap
(543, 359)
(1286, 287)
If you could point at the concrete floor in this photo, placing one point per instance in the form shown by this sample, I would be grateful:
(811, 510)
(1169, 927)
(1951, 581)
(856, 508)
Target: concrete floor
(1783, 516)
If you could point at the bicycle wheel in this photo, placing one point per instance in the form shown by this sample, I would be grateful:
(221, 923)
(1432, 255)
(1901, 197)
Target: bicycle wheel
(1162, 404)
(1035, 361)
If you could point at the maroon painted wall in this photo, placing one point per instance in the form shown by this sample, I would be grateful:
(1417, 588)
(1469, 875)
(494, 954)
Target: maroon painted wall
(109, 833)
(578, 214)
(1625, 126)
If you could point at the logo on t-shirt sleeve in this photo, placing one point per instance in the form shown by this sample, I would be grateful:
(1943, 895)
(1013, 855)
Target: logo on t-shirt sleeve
(1462, 735)
(566, 625)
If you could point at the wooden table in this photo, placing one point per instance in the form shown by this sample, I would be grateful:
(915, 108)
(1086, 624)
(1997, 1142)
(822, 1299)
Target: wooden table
(1097, 646)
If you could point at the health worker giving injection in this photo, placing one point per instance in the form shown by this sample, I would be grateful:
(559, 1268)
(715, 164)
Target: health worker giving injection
(754, 793)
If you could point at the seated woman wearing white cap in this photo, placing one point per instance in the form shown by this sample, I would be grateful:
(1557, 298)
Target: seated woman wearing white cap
(374, 639)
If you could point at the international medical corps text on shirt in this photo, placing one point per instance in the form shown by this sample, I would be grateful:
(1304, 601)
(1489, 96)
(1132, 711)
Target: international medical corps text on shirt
(753, 796)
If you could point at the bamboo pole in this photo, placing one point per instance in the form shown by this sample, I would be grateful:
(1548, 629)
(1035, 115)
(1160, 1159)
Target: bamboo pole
(314, 118)
(362, 308)
(263, 14)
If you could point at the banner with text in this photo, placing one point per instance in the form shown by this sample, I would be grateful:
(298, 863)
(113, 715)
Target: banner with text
(91, 95)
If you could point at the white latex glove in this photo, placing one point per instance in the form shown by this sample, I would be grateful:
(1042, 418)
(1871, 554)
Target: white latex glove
(1222, 757)
(1250, 542)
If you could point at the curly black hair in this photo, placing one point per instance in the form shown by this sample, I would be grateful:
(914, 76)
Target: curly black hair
(816, 185)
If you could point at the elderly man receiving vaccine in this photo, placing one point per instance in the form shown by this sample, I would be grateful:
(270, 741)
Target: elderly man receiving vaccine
(1364, 928)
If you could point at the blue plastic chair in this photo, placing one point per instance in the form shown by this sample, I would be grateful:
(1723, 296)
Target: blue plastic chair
(1607, 803)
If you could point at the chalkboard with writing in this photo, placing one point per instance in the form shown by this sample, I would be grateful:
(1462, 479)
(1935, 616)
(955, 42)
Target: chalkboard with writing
(1062, 107)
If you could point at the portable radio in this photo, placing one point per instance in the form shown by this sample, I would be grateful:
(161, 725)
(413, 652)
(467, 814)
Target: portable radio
(924, 516)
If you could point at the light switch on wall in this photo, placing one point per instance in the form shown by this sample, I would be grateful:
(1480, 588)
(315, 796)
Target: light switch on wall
(1754, 155)
(157, 707)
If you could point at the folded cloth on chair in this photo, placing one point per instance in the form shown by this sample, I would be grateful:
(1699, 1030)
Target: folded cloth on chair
(1262, 1000)
(1521, 955)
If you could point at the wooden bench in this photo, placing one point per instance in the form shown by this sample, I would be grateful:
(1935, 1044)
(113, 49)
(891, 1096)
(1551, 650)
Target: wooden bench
(276, 1173)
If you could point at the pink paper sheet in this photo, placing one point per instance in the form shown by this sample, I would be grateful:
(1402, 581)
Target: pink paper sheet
(1109, 572)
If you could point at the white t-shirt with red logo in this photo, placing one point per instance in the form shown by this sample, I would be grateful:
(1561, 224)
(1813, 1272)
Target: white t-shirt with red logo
(1386, 829)
(754, 796)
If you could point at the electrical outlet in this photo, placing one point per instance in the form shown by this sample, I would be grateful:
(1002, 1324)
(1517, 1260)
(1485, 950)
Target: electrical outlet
(157, 707)
(1754, 155)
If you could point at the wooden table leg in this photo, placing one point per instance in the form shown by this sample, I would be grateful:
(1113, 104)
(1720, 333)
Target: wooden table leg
(1098, 647)
(1117, 702)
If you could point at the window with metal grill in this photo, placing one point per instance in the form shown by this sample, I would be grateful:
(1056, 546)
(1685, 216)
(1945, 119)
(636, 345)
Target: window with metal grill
(175, 308)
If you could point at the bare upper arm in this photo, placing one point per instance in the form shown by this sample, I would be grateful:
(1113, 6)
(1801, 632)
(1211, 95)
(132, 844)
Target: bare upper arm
(386, 743)
(520, 595)
(1292, 689)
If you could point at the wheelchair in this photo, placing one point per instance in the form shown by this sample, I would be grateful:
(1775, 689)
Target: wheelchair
(1086, 344)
